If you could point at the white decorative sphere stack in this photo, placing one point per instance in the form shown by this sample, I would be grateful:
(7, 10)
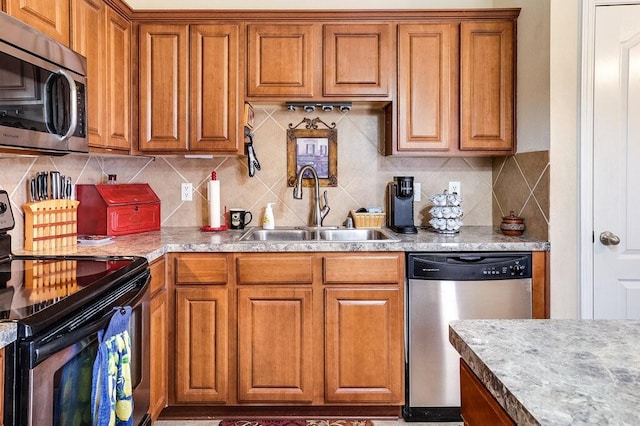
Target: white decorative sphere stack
(446, 212)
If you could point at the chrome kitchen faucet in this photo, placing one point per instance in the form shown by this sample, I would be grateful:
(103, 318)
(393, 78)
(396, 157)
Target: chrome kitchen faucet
(320, 213)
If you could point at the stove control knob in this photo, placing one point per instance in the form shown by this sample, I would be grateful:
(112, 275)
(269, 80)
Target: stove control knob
(3, 207)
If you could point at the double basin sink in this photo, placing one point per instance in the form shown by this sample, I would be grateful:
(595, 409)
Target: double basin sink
(317, 234)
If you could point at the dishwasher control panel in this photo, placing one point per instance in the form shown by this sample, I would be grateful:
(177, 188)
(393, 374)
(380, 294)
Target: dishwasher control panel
(468, 266)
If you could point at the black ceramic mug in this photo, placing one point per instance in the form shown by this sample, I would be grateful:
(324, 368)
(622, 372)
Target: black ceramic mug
(238, 218)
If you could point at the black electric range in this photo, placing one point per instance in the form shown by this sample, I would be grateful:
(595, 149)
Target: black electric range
(61, 304)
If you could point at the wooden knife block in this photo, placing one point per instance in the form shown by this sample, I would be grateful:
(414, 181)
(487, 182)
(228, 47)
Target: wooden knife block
(50, 225)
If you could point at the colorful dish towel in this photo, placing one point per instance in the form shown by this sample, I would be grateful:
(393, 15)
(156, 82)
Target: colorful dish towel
(111, 391)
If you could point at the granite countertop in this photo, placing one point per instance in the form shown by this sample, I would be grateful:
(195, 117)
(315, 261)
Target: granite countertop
(8, 333)
(556, 372)
(191, 239)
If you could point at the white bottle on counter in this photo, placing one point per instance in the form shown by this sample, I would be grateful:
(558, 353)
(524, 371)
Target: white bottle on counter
(268, 221)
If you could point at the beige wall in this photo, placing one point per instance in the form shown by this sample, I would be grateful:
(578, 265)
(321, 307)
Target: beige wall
(564, 138)
(533, 73)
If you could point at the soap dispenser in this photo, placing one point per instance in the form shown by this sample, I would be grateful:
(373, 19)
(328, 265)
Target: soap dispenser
(268, 221)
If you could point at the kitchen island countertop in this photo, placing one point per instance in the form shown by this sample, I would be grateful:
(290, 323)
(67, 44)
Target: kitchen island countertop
(8, 333)
(191, 239)
(556, 372)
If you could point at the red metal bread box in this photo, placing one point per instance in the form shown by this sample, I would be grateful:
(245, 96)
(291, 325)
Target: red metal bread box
(117, 209)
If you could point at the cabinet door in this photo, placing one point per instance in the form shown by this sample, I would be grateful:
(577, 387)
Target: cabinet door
(49, 16)
(214, 87)
(201, 344)
(358, 60)
(364, 345)
(427, 87)
(159, 354)
(280, 59)
(487, 82)
(159, 338)
(478, 406)
(275, 349)
(118, 86)
(164, 84)
(91, 44)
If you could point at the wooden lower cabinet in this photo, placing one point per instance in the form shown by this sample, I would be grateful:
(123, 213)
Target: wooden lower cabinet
(201, 344)
(159, 338)
(288, 330)
(478, 406)
(275, 345)
(363, 329)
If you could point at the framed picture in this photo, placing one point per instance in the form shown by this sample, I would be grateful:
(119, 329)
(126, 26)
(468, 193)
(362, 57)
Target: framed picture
(313, 146)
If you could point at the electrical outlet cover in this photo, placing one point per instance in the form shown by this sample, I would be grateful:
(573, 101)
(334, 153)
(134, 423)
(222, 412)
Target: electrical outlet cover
(454, 187)
(187, 191)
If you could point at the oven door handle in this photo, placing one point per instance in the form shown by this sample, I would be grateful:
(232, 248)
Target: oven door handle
(87, 333)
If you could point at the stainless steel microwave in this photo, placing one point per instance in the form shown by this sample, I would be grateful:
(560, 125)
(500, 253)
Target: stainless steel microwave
(43, 102)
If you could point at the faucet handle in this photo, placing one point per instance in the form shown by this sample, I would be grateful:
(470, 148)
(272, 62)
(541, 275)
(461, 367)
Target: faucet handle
(325, 209)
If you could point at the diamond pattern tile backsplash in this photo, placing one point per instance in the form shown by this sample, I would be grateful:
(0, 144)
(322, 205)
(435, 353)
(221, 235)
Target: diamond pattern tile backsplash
(363, 174)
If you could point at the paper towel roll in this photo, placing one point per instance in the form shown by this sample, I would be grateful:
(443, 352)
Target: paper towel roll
(213, 188)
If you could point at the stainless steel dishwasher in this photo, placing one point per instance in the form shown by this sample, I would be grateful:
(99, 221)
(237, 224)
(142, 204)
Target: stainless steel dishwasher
(443, 287)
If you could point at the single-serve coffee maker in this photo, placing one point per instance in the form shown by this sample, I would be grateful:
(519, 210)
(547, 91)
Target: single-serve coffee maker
(400, 208)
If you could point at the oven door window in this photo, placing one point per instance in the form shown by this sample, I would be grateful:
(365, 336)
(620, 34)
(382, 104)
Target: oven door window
(61, 384)
(72, 388)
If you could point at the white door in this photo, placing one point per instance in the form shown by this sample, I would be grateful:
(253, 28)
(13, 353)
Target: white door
(616, 163)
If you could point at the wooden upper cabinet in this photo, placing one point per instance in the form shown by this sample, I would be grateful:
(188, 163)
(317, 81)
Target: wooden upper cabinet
(281, 59)
(487, 79)
(91, 44)
(427, 87)
(49, 16)
(107, 49)
(358, 59)
(164, 85)
(118, 101)
(214, 81)
(189, 88)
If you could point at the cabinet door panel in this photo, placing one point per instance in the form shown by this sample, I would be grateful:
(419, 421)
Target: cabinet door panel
(91, 44)
(487, 85)
(275, 345)
(118, 101)
(163, 87)
(214, 81)
(280, 60)
(49, 16)
(427, 87)
(358, 59)
(201, 344)
(159, 354)
(364, 345)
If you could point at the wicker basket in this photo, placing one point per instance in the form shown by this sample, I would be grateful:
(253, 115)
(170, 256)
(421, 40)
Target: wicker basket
(367, 220)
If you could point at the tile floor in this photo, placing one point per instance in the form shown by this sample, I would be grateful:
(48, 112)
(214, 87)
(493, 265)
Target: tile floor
(215, 423)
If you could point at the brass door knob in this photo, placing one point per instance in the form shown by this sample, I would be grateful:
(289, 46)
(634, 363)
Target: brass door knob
(609, 238)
